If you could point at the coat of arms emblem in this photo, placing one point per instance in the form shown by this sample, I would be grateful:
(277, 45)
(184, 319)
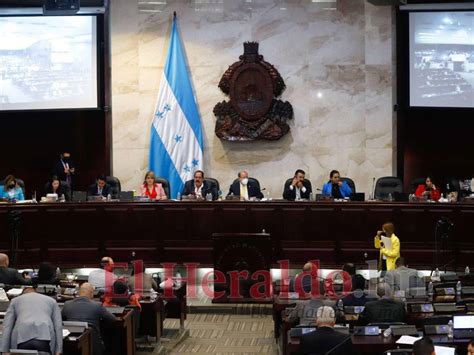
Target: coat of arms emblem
(254, 110)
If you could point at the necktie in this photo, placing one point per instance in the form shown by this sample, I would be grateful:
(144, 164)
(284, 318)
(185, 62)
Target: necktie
(244, 192)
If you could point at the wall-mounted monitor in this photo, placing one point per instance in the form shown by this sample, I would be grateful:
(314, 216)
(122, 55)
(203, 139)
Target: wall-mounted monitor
(48, 62)
(442, 59)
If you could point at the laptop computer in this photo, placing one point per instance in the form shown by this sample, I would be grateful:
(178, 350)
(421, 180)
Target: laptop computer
(422, 308)
(440, 329)
(467, 290)
(463, 327)
(358, 196)
(445, 307)
(115, 310)
(126, 196)
(79, 196)
(353, 309)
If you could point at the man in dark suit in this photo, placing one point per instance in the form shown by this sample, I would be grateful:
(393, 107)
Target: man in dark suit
(325, 339)
(9, 276)
(100, 188)
(64, 168)
(199, 188)
(384, 310)
(245, 188)
(84, 309)
(298, 188)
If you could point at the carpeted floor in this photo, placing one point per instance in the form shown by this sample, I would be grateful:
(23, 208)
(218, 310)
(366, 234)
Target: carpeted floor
(226, 334)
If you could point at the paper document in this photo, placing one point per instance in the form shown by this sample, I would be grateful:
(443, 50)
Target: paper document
(408, 340)
(444, 350)
(66, 333)
(387, 242)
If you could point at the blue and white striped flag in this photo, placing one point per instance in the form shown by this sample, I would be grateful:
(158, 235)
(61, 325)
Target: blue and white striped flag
(176, 149)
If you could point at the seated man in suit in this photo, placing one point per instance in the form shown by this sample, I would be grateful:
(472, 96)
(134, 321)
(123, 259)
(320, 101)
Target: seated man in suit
(402, 277)
(9, 276)
(103, 278)
(304, 313)
(424, 346)
(244, 188)
(297, 188)
(335, 187)
(100, 188)
(84, 309)
(384, 310)
(33, 322)
(325, 339)
(199, 188)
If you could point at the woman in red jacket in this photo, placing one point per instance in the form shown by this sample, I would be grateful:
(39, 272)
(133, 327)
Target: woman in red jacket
(428, 190)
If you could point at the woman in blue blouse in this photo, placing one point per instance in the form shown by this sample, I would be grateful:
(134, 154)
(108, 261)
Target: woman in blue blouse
(11, 191)
(335, 187)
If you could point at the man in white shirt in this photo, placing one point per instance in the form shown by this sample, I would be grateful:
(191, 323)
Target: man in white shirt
(102, 279)
(298, 188)
(199, 188)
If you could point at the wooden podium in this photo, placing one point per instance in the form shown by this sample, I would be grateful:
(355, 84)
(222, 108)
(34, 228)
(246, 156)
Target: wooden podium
(240, 252)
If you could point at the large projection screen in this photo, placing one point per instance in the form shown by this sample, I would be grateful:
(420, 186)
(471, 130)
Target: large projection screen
(442, 59)
(48, 62)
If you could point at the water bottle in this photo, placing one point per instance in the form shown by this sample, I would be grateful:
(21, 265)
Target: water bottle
(436, 274)
(430, 289)
(390, 197)
(33, 198)
(450, 330)
(387, 332)
(109, 197)
(178, 279)
(466, 270)
(208, 197)
(178, 196)
(458, 288)
(311, 196)
(340, 305)
(219, 195)
(58, 292)
(62, 199)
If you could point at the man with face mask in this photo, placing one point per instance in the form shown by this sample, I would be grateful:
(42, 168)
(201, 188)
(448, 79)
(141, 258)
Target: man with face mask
(64, 168)
(245, 188)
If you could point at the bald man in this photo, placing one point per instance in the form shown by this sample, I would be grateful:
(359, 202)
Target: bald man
(9, 276)
(307, 280)
(244, 187)
(326, 339)
(103, 278)
(84, 309)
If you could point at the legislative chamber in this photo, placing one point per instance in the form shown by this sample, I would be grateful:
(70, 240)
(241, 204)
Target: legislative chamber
(236, 177)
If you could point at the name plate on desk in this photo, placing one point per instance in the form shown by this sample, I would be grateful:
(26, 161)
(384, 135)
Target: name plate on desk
(367, 331)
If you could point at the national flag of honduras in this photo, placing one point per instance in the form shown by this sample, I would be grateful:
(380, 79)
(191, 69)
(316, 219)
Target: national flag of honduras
(176, 149)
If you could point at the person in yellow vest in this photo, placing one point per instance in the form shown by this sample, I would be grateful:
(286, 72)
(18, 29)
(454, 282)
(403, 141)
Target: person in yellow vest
(388, 256)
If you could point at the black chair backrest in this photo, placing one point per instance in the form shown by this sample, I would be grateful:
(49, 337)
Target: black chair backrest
(253, 180)
(349, 182)
(213, 182)
(387, 185)
(415, 183)
(114, 184)
(165, 184)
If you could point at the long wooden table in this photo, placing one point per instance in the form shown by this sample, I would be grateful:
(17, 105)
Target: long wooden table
(79, 234)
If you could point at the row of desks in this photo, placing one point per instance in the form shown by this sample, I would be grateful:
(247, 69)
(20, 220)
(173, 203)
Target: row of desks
(367, 344)
(79, 234)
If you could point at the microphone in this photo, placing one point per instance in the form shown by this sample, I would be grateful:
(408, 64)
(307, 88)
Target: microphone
(373, 187)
